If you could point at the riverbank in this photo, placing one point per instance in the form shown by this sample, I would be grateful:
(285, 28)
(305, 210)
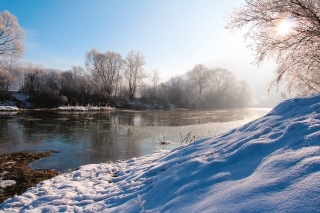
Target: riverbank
(16, 175)
(271, 164)
(18, 101)
(61, 108)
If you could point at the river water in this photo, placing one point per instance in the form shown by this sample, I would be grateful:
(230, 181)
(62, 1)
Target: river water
(94, 137)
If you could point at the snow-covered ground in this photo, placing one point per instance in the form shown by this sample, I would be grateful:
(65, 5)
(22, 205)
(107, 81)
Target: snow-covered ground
(17, 99)
(271, 164)
(65, 108)
(83, 108)
(8, 108)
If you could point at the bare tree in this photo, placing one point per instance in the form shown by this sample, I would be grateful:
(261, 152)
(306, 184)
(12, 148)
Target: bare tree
(32, 77)
(287, 31)
(11, 47)
(67, 81)
(118, 80)
(106, 67)
(5, 79)
(223, 88)
(10, 73)
(177, 92)
(81, 80)
(222, 80)
(134, 72)
(244, 94)
(154, 77)
(199, 75)
(11, 36)
(50, 82)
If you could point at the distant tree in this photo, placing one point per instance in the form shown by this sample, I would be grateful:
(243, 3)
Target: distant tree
(176, 92)
(32, 77)
(226, 85)
(5, 79)
(11, 36)
(287, 31)
(134, 72)
(12, 66)
(105, 68)
(162, 95)
(95, 63)
(222, 80)
(69, 87)
(199, 75)
(81, 80)
(9, 73)
(144, 90)
(244, 94)
(11, 48)
(50, 82)
(154, 80)
(67, 80)
(118, 83)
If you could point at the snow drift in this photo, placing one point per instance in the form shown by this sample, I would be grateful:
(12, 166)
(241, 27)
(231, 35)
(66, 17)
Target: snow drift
(270, 164)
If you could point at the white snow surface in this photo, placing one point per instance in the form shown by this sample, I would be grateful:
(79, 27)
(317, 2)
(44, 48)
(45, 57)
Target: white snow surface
(83, 108)
(8, 108)
(271, 164)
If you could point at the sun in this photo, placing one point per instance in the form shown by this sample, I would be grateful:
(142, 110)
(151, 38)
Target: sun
(285, 26)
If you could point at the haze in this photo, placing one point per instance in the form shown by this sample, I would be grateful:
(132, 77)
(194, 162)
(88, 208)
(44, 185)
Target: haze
(172, 35)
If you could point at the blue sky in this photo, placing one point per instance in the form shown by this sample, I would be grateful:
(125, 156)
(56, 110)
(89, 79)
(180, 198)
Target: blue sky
(172, 35)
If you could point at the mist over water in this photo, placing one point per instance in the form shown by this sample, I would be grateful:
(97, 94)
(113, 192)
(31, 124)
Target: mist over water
(95, 137)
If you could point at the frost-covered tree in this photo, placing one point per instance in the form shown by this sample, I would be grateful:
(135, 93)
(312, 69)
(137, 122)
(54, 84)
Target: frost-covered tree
(134, 72)
(222, 89)
(11, 36)
(105, 68)
(10, 73)
(11, 48)
(244, 94)
(287, 31)
(199, 75)
(32, 77)
(5, 79)
(155, 78)
(50, 82)
(81, 80)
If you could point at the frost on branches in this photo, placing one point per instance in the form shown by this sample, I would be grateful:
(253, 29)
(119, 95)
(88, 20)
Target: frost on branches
(287, 31)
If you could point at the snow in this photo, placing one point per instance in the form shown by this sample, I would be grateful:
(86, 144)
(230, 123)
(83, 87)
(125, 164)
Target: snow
(5, 183)
(65, 108)
(8, 108)
(271, 164)
(82, 108)
(21, 96)
(17, 98)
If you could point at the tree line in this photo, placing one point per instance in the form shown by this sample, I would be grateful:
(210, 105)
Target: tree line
(107, 76)
(110, 78)
(201, 88)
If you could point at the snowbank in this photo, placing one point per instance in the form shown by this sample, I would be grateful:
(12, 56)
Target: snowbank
(64, 108)
(16, 99)
(271, 164)
(81, 108)
(8, 108)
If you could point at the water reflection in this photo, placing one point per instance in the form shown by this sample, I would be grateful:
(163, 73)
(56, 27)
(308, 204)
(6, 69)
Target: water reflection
(94, 137)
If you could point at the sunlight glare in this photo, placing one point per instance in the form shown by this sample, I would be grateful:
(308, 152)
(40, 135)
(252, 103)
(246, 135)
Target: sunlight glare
(285, 26)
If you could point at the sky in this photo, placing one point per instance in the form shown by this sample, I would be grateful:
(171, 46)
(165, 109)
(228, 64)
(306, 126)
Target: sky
(172, 35)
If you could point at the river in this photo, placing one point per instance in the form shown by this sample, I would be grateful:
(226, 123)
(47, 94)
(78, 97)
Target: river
(94, 137)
